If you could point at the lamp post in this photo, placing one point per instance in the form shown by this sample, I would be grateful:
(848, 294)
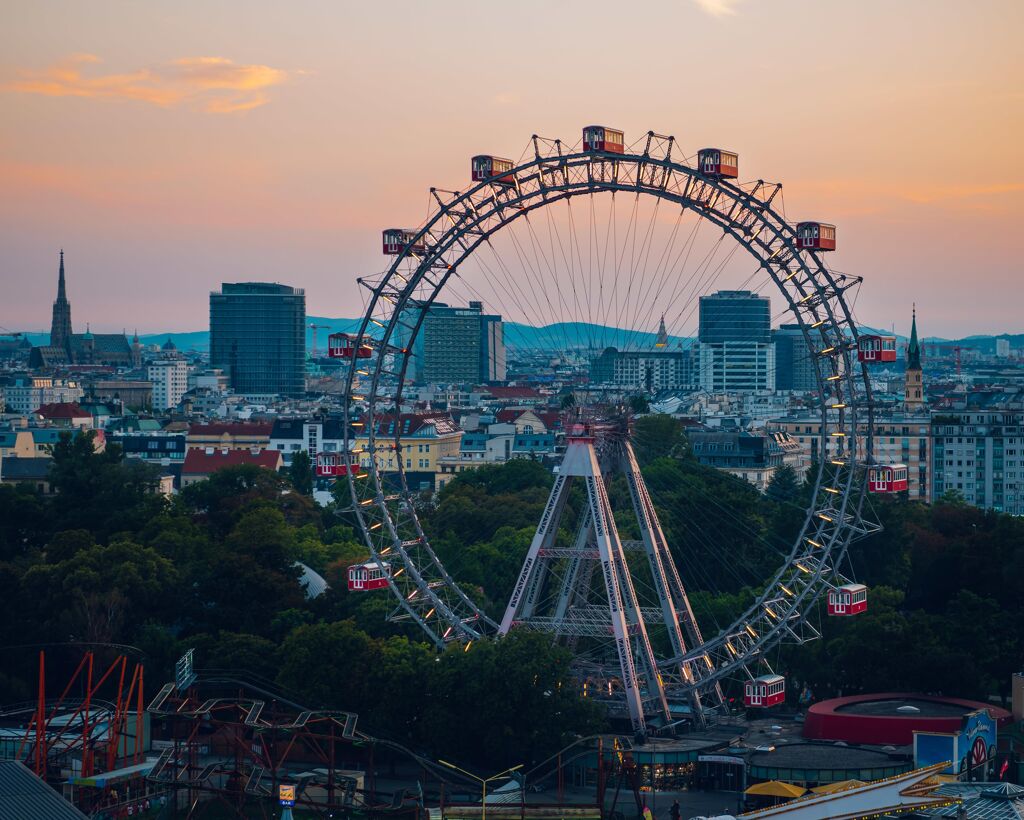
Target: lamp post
(482, 781)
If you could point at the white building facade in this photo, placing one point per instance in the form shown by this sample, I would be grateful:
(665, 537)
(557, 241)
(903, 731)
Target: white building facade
(980, 454)
(169, 378)
(27, 394)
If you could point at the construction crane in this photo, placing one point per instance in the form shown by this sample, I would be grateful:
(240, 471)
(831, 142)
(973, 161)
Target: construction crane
(315, 327)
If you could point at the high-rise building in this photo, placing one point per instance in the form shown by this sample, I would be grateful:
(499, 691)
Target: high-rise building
(913, 395)
(794, 364)
(493, 365)
(257, 336)
(459, 345)
(980, 454)
(649, 371)
(736, 352)
(169, 378)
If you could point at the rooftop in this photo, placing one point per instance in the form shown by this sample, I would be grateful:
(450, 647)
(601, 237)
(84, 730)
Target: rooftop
(62, 410)
(23, 796)
(232, 428)
(822, 756)
(891, 707)
(13, 468)
(207, 460)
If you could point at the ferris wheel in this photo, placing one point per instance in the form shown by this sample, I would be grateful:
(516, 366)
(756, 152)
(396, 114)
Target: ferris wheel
(583, 249)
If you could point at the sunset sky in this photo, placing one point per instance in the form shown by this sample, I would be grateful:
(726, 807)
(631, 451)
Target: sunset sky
(170, 147)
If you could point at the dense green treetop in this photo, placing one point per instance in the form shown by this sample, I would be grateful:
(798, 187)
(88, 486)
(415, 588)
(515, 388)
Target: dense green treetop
(106, 559)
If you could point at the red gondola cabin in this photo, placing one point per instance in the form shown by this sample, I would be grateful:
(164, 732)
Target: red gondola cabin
(816, 236)
(599, 138)
(493, 169)
(364, 577)
(717, 163)
(876, 348)
(343, 346)
(329, 465)
(397, 240)
(765, 691)
(888, 478)
(849, 599)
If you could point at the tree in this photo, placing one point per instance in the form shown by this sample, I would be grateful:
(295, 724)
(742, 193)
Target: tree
(99, 593)
(329, 665)
(249, 575)
(639, 404)
(99, 491)
(524, 702)
(224, 496)
(300, 472)
(656, 436)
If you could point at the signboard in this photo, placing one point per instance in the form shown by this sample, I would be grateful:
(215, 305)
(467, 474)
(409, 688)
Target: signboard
(736, 761)
(972, 747)
(977, 741)
(286, 794)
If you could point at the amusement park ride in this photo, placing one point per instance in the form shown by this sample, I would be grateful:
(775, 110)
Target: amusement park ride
(582, 593)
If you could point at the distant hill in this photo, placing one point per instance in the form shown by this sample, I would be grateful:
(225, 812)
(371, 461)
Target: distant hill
(517, 335)
(581, 335)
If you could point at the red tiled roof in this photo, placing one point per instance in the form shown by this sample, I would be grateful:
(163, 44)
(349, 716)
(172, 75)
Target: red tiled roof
(62, 410)
(207, 460)
(410, 423)
(232, 428)
(512, 392)
(552, 418)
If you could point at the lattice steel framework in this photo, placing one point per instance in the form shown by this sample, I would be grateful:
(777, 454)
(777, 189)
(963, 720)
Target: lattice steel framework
(814, 294)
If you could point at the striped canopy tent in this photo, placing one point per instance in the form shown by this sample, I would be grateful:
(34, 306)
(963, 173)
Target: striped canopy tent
(776, 788)
(829, 788)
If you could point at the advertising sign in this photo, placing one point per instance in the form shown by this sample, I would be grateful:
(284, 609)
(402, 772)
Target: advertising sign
(968, 749)
(286, 794)
(977, 740)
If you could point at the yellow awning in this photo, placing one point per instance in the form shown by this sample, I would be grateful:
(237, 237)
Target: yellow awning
(828, 788)
(776, 788)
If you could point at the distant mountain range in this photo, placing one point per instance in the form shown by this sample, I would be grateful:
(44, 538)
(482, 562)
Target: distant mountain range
(560, 335)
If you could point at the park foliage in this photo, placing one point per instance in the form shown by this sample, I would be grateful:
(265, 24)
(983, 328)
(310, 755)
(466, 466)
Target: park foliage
(106, 560)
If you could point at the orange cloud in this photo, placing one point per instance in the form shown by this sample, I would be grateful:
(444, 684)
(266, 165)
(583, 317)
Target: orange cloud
(213, 84)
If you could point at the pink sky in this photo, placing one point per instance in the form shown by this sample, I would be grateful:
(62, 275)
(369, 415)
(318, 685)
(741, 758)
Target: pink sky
(169, 148)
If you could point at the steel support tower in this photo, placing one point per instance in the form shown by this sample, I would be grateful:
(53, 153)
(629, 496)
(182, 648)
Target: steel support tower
(584, 594)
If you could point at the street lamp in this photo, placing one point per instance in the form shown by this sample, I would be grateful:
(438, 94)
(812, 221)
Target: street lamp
(483, 782)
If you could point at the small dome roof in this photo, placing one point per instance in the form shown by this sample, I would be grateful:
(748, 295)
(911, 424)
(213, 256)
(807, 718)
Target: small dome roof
(169, 345)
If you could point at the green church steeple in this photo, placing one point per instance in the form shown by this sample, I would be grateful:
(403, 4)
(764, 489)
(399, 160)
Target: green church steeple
(914, 348)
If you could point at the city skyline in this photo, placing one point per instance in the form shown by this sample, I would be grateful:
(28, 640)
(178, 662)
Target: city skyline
(636, 335)
(210, 153)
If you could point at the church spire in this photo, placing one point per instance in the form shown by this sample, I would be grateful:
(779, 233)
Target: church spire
(913, 387)
(914, 348)
(662, 339)
(61, 294)
(60, 326)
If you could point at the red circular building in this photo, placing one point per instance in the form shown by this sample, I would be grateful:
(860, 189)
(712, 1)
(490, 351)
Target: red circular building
(890, 718)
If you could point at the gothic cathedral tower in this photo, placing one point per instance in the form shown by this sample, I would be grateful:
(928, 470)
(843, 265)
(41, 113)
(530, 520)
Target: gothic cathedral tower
(60, 327)
(913, 392)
